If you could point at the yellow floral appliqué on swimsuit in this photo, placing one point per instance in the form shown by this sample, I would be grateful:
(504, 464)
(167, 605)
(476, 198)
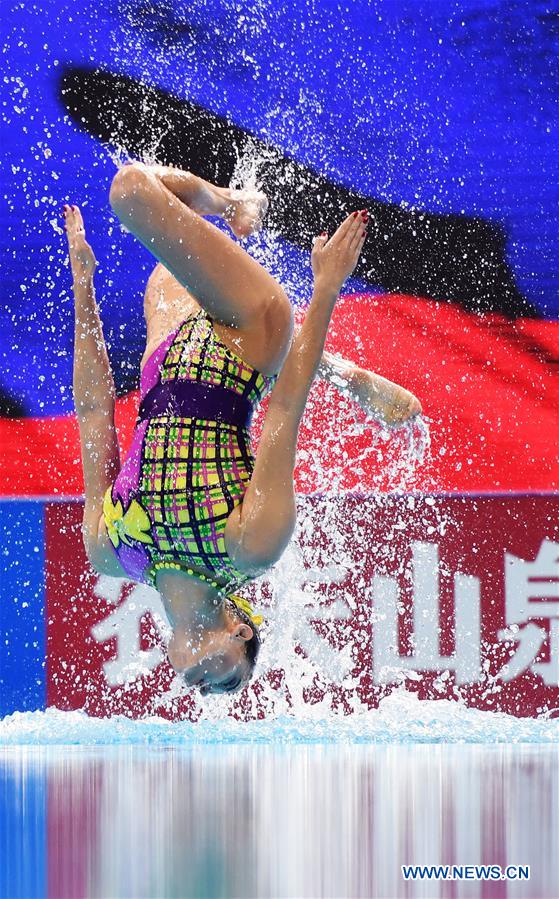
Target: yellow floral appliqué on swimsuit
(132, 524)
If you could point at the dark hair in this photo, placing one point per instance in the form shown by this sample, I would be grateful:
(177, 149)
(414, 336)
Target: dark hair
(252, 646)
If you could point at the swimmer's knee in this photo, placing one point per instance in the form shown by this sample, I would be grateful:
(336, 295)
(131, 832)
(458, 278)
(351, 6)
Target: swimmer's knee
(128, 185)
(278, 312)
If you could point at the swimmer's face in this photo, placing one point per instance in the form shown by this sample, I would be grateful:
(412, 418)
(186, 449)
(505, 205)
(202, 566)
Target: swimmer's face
(220, 664)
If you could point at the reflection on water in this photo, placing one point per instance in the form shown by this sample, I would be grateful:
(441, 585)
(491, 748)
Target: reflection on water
(298, 821)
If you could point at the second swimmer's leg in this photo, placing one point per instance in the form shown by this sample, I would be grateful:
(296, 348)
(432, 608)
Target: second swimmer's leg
(234, 288)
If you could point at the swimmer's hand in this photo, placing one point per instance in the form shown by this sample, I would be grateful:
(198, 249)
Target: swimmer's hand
(333, 260)
(82, 257)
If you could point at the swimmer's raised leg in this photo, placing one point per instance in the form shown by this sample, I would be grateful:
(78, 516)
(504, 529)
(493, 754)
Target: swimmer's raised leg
(380, 398)
(165, 208)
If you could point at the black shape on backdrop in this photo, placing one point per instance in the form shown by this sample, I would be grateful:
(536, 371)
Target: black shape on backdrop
(451, 258)
(10, 406)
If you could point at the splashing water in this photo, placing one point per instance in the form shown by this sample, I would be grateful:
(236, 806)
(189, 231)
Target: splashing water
(401, 718)
(302, 658)
(411, 440)
(292, 594)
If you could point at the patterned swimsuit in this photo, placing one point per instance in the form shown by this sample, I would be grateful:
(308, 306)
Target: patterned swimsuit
(190, 460)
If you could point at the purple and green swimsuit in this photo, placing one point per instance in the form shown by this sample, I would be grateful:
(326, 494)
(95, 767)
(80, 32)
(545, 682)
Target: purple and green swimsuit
(190, 460)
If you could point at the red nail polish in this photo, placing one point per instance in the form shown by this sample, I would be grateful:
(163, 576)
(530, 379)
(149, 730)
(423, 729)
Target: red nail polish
(354, 214)
(364, 233)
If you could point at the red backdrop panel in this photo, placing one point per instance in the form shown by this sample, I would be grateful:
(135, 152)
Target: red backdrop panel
(488, 384)
(457, 596)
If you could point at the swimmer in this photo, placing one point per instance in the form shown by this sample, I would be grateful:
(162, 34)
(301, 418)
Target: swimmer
(191, 511)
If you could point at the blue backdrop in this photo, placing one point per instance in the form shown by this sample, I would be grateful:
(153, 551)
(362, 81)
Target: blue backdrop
(22, 607)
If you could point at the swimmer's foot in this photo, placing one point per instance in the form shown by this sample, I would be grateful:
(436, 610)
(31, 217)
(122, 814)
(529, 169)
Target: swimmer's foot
(382, 399)
(386, 402)
(245, 210)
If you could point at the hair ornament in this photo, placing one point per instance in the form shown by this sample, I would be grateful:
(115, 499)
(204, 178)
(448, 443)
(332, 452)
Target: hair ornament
(245, 606)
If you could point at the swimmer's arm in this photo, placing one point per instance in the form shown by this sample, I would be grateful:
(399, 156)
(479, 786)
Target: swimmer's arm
(93, 383)
(100, 552)
(300, 368)
(94, 396)
(332, 262)
(260, 528)
(101, 465)
(94, 399)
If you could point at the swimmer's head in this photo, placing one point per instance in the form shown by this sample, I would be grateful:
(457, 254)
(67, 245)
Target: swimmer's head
(224, 659)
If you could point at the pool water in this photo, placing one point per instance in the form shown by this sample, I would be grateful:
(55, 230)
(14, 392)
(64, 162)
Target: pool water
(298, 819)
